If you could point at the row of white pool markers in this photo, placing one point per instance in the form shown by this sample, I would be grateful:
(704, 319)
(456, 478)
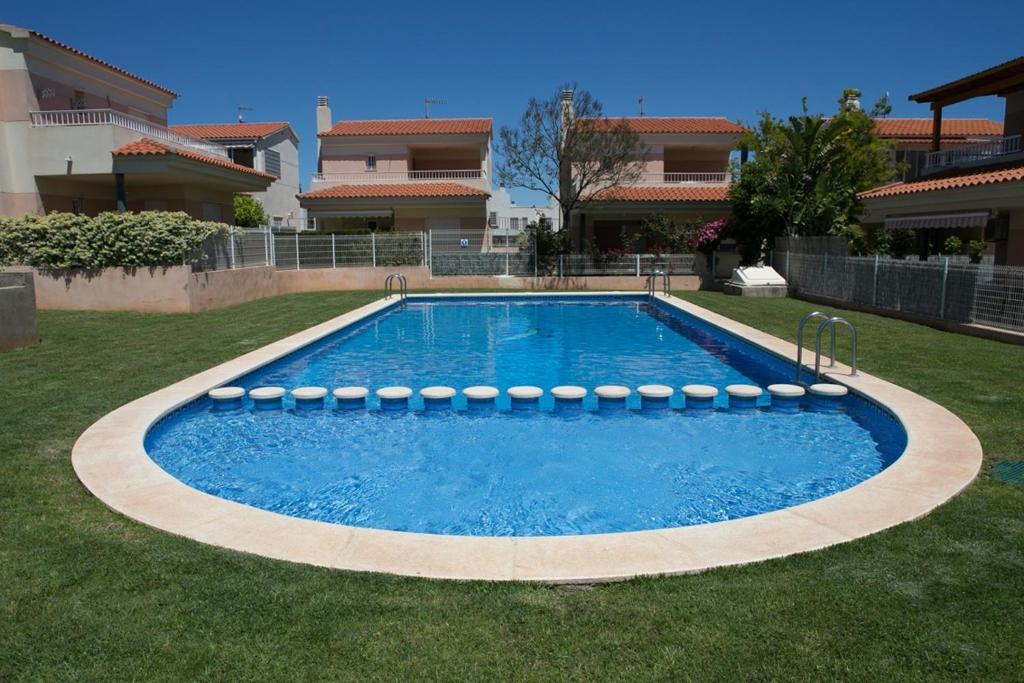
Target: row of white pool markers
(697, 396)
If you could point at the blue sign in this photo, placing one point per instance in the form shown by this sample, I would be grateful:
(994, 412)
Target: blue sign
(463, 244)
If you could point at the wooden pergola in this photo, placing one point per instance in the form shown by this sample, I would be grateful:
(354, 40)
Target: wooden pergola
(999, 80)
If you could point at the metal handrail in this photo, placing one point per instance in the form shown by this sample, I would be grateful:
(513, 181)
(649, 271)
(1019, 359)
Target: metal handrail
(831, 323)
(403, 286)
(666, 283)
(800, 343)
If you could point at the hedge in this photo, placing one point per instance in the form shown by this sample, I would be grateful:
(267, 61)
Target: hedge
(126, 240)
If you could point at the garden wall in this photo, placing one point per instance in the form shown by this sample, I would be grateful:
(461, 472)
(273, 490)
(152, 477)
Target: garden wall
(178, 290)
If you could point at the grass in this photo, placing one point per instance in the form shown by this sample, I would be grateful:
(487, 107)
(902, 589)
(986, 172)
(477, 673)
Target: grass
(86, 594)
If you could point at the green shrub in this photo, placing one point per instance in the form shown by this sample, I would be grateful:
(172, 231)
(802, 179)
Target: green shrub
(952, 245)
(249, 212)
(128, 240)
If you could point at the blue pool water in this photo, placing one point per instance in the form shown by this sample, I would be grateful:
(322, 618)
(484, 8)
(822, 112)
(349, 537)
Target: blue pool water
(512, 473)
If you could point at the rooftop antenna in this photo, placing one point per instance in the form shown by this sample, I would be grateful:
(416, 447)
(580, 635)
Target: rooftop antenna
(640, 101)
(427, 101)
(242, 108)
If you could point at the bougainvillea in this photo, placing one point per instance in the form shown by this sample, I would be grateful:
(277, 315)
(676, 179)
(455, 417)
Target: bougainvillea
(707, 237)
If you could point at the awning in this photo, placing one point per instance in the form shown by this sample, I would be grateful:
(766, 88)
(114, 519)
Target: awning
(973, 219)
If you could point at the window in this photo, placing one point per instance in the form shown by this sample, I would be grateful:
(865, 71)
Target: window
(243, 156)
(78, 205)
(272, 163)
(78, 100)
(371, 163)
(278, 221)
(492, 219)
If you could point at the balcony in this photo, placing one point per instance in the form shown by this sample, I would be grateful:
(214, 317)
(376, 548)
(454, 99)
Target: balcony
(977, 153)
(110, 117)
(386, 177)
(683, 179)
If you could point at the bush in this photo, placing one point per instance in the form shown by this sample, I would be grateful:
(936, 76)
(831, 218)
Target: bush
(952, 245)
(249, 212)
(127, 240)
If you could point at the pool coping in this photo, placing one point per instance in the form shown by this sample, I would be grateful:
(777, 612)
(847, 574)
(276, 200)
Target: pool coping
(942, 457)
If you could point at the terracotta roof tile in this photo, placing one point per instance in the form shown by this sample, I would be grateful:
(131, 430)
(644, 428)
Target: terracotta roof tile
(75, 51)
(692, 193)
(1014, 173)
(147, 147)
(411, 127)
(952, 129)
(420, 190)
(691, 125)
(229, 131)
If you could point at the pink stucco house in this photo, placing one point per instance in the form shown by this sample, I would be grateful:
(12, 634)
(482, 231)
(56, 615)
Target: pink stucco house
(400, 174)
(685, 176)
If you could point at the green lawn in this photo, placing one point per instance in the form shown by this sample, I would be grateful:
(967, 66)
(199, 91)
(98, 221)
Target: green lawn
(88, 594)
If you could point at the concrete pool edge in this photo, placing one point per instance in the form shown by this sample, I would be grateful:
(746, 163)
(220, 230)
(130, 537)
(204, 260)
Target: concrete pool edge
(942, 457)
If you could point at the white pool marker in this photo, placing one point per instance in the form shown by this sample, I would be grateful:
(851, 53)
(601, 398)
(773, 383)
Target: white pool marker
(524, 397)
(654, 395)
(786, 397)
(568, 397)
(226, 397)
(266, 398)
(437, 398)
(351, 398)
(785, 390)
(480, 393)
(394, 398)
(743, 396)
(309, 397)
(828, 390)
(827, 397)
(700, 396)
(612, 395)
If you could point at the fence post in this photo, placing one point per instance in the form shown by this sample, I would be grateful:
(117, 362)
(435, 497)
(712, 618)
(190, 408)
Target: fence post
(231, 241)
(373, 247)
(561, 270)
(423, 243)
(638, 265)
(942, 298)
(298, 264)
(506, 256)
(334, 252)
(266, 247)
(535, 256)
(714, 265)
(788, 252)
(874, 284)
(430, 252)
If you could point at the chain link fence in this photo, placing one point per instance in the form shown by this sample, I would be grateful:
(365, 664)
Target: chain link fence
(947, 289)
(477, 252)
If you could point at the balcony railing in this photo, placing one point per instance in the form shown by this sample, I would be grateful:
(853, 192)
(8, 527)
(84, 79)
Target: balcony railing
(371, 177)
(684, 179)
(979, 151)
(109, 117)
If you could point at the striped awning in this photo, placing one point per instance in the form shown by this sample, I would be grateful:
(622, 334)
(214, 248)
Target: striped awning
(971, 219)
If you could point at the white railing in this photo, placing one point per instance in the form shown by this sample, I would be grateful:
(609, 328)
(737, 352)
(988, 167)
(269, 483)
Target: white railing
(684, 179)
(109, 117)
(978, 151)
(371, 177)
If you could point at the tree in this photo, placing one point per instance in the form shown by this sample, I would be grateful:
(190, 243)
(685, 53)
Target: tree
(805, 174)
(547, 243)
(249, 212)
(567, 148)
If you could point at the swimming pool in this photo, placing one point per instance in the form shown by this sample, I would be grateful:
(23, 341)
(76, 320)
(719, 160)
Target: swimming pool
(515, 473)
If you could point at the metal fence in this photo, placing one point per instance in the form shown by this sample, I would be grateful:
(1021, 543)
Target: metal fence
(445, 252)
(951, 290)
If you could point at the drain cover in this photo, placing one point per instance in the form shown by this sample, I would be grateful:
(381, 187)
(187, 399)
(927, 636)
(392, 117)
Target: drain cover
(1009, 472)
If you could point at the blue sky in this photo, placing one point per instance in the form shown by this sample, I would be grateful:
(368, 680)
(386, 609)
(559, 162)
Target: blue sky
(380, 59)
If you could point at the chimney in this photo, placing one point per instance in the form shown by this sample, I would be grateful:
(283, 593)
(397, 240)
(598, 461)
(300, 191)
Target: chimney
(323, 124)
(323, 115)
(567, 111)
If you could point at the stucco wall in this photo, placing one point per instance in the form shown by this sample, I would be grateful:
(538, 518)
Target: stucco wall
(178, 290)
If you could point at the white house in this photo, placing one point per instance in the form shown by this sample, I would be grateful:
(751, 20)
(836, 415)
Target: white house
(506, 219)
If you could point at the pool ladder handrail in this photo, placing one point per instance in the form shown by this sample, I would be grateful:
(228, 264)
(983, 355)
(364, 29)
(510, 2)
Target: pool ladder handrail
(831, 324)
(666, 283)
(403, 286)
(800, 342)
